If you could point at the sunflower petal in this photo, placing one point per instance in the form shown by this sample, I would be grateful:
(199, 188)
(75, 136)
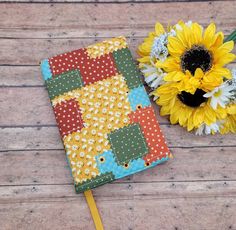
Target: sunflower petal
(198, 73)
(174, 76)
(225, 59)
(227, 46)
(222, 72)
(170, 64)
(231, 109)
(219, 39)
(190, 124)
(159, 29)
(189, 37)
(175, 46)
(209, 34)
(223, 50)
(145, 59)
(197, 32)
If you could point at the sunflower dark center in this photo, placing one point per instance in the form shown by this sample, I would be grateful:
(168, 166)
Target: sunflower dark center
(192, 100)
(196, 57)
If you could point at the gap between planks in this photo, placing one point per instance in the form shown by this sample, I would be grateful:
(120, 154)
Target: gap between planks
(102, 1)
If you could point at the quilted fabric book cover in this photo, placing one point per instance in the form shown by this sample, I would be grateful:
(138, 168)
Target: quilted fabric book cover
(106, 121)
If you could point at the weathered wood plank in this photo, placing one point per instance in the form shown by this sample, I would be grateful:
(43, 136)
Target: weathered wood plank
(50, 167)
(32, 51)
(38, 112)
(28, 76)
(133, 206)
(64, 214)
(36, 138)
(84, 20)
(203, 213)
(20, 76)
(36, 189)
(120, 191)
(18, 112)
(99, 1)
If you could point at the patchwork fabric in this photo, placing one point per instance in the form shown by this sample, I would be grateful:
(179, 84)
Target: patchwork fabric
(92, 183)
(106, 47)
(106, 163)
(138, 98)
(128, 143)
(91, 69)
(103, 112)
(152, 133)
(63, 83)
(127, 67)
(68, 117)
(46, 71)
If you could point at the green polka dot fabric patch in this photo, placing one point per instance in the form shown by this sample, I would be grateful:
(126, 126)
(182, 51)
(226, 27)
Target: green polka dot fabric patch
(128, 143)
(99, 180)
(64, 83)
(126, 66)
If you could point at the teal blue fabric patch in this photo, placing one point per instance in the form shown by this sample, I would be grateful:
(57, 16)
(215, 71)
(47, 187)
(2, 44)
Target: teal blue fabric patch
(138, 98)
(106, 163)
(45, 69)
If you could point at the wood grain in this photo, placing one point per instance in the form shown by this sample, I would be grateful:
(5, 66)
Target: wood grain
(98, 1)
(167, 206)
(32, 51)
(121, 191)
(86, 20)
(44, 167)
(72, 213)
(30, 76)
(196, 190)
(48, 138)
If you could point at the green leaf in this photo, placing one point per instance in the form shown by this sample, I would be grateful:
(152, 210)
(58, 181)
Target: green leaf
(231, 37)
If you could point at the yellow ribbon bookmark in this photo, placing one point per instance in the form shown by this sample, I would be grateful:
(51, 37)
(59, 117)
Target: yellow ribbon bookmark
(93, 209)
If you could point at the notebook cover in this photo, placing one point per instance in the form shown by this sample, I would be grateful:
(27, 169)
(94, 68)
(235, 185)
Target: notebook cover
(105, 118)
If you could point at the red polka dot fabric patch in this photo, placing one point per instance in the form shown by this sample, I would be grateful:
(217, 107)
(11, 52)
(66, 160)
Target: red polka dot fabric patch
(68, 117)
(66, 62)
(96, 69)
(91, 69)
(152, 133)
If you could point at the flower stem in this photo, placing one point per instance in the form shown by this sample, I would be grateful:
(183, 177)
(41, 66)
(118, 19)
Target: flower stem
(231, 37)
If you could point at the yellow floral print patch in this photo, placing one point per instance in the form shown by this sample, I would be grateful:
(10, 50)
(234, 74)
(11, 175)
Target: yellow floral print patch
(82, 147)
(106, 47)
(105, 108)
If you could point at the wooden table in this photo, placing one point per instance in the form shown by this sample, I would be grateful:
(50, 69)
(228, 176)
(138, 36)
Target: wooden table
(195, 190)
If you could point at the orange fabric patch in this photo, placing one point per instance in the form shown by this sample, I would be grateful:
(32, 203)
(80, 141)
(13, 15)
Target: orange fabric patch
(152, 133)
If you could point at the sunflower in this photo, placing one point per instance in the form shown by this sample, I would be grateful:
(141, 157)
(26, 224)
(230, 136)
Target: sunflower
(189, 110)
(193, 49)
(185, 66)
